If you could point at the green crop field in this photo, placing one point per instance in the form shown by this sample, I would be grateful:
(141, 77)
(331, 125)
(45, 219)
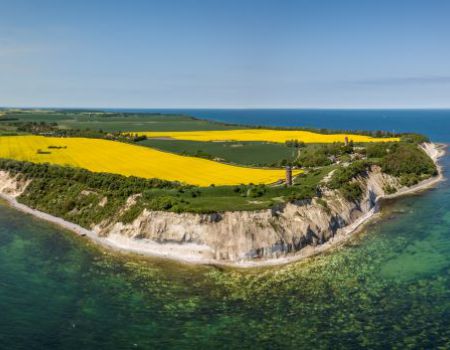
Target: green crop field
(110, 122)
(244, 153)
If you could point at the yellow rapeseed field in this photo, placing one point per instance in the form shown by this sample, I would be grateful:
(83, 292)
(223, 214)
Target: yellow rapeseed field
(267, 135)
(125, 159)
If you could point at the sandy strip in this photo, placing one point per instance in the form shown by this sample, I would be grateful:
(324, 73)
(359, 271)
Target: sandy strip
(188, 253)
(145, 248)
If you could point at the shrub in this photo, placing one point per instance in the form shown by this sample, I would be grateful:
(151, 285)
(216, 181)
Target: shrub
(163, 203)
(304, 192)
(344, 175)
(408, 159)
(351, 191)
(414, 138)
(313, 157)
(324, 204)
(256, 191)
(131, 214)
(378, 150)
(409, 180)
(388, 189)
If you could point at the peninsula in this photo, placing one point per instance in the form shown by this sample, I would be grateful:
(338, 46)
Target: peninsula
(204, 192)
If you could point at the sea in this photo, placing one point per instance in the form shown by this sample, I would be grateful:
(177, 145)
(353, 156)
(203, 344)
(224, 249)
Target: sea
(388, 287)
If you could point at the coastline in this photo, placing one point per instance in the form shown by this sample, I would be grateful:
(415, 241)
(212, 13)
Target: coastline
(435, 151)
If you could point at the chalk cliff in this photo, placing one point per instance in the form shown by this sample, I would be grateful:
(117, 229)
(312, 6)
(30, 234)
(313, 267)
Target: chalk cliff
(247, 235)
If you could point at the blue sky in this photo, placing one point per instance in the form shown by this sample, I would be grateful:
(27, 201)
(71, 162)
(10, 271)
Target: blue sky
(238, 54)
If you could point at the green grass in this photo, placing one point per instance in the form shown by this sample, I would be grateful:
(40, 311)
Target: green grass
(225, 198)
(314, 176)
(243, 153)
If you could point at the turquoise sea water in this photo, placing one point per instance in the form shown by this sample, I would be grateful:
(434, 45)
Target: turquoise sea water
(387, 288)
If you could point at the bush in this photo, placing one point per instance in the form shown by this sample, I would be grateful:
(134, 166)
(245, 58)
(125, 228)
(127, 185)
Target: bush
(344, 175)
(69, 205)
(163, 203)
(388, 189)
(414, 138)
(256, 191)
(313, 157)
(304, 192)
(324, 204)
(408, 159)
(409, 180)
(351, 191)
(131, 214)
(377, 150)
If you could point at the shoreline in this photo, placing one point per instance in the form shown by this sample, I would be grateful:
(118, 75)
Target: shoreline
(435, 151)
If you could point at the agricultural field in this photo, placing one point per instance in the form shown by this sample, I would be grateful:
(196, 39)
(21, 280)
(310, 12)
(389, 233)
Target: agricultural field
(109, 121)
(264, 135)
(130, 160)
(193, 152)
(243, 153)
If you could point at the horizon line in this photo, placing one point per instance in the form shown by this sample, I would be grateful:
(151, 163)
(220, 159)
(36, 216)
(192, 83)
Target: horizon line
(230, 108)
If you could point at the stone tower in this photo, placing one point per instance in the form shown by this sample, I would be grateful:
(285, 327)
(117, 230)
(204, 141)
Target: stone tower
(288, 176)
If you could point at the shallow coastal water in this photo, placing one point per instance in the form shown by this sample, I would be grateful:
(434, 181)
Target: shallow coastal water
(388, 287)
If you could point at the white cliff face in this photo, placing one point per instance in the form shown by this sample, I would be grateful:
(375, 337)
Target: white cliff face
(246, 235)
(12, 185)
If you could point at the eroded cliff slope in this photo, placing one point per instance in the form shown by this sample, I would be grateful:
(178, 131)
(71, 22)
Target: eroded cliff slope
(245, 235)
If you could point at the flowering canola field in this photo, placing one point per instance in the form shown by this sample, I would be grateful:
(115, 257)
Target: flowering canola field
(125, 159)
(267, 135)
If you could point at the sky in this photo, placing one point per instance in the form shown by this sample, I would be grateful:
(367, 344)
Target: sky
(225, 54)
